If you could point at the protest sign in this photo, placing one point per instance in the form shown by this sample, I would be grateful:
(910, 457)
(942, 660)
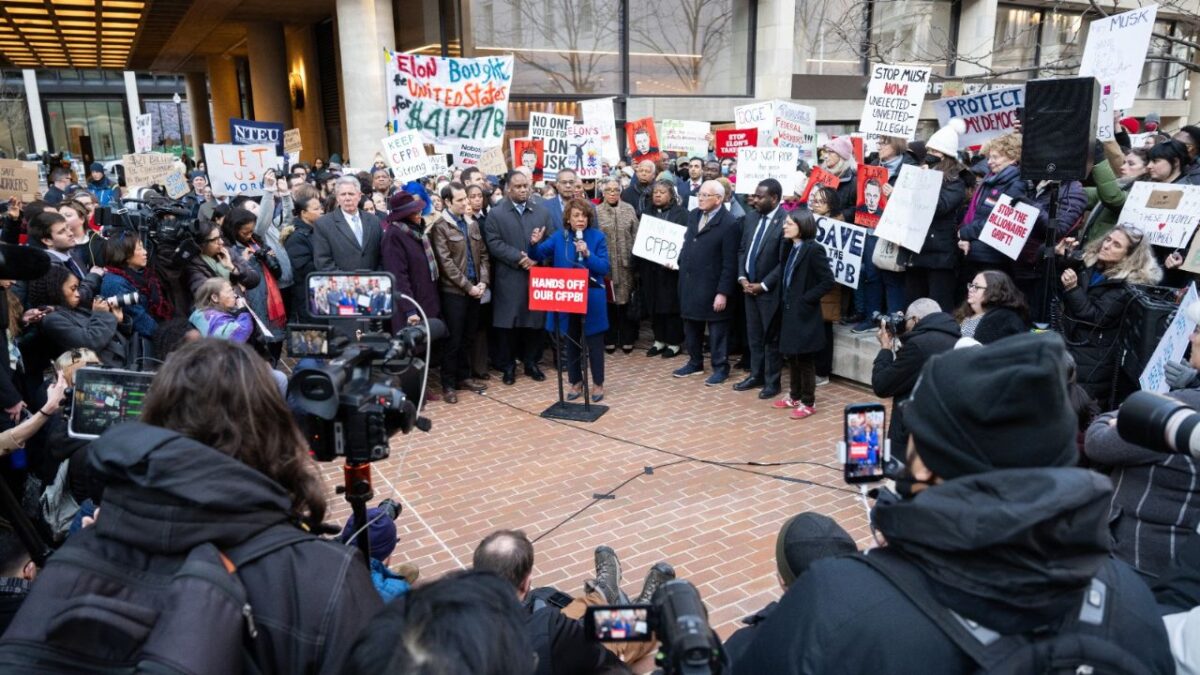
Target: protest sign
(894, 100)
(553, 131)
(599, 113)
(796, 127)
(1167, 213)
(291, 141)
(1116, 51)
(843, 244)
(819, 176)
(249, 132)
(491, 162)
(871, 200)
(176, 184)
(729, 140)
(143, 132)
(529, 153)
(1008, 226)
(467, 154)
(910, 207)
(658, 240)
(18, 179)
(148, 168)
(449, 99)
(236, 169)
(798, 186)
(1171, 347)
(553, 289)
(685, 137)
(437, 164)
(641, 139)
(758, 164)
(758, 116)
(1104, 118)
(585, 147)
(405, 153)
(986, 115)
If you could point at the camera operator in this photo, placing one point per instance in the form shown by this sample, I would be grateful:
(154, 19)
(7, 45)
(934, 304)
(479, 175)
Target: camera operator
(215, 261)
(998, 552)
(70, 325)
(128, 271)
(218, 460)
(928, 331)
(1095, 293)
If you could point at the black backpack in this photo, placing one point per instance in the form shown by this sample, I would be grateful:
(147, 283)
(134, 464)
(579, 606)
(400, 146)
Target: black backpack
(1077, 645)
(102, 606)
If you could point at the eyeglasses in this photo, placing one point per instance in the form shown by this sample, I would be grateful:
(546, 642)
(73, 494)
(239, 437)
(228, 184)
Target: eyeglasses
(216, 238)
(976, 287)
(708, 194)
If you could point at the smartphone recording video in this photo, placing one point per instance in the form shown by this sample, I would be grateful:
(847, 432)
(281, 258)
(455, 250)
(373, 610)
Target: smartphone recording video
(618, 623)
(308, 341)
(350, 295)
(103, 398)
(864, 435)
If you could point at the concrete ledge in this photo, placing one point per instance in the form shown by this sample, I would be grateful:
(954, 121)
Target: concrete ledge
(853, 355)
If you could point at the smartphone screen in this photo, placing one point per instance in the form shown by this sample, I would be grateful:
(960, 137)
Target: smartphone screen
(103, 398)
(308, 341)
(350, 295)
(865, 433)
(618, 623)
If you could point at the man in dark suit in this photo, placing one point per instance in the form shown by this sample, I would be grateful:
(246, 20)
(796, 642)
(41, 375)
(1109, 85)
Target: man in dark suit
(690, 186)
(508, 230)
(347, 239)
(707, 279)
(637, 194)
(758, 275)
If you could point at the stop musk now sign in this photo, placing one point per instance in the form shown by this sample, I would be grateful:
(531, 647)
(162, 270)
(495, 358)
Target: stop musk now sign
(558, 290)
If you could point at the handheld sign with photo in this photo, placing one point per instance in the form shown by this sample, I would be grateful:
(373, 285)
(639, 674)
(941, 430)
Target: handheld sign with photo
(894, 99)
(758, 164)
(553, 131)
(986, 115)
(685, 137)
(599, 113)
(528, 153)
(728, 141)
(871, 200)
(1008, 226)
(844, 245)
(237, 169)
(18, 179)
(143, 132)
(1116, 52)
(553, 289)
(1167, 213)
(819, 176)
(642, 140)
(405, 153)
(1171, 347)
(148, 168)
(658, 240)
(448, 99)
(910, 207)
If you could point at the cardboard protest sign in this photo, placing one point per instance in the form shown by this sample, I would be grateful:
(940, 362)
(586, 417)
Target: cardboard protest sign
(291, 141)
(599, 113)
(149, 168)
(553, 131)
(143, 132)
(986, 115)
(491, 162)
(585, 142)
(176, 184)
(758, 116)
(819, 176)
(871, 200)
(553, 289)
(642, 140)
(894, 100)
(658, 240)
(1171, 347)
(449, 99)
(796, 127)
(1008, 226)
(1167, 213)
(685, 137)
(405, 153)
(843, 244)
(237, 169)
(18, 179)
(910, 207)
(249, 132)
(729, 140)
(758, 164)
(1116, 52)
(528, 153)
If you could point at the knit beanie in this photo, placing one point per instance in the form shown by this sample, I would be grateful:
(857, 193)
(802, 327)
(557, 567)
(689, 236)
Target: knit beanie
(1001, 406)
(805, 539)
(945, 140)
(842, 146)
(381, 532)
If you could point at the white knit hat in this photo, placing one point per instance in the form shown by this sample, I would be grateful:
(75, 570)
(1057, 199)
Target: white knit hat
(945, 140)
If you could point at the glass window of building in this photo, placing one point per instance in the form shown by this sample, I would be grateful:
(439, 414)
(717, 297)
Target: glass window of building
(1164, 79)
(1031, 43)
(913, 32)
(170, 128)
(827, 38)
(689, 48)
(102, 122)
(1062, 40)
(1014, 46)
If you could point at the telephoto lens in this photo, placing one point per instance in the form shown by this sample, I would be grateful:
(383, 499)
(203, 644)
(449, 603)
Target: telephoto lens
(1160, 423)
(123, 300)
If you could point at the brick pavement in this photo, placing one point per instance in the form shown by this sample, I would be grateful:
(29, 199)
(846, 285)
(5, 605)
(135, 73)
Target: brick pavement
(490, 462)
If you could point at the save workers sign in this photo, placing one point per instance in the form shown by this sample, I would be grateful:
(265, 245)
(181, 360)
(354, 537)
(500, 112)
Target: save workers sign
(558, 290)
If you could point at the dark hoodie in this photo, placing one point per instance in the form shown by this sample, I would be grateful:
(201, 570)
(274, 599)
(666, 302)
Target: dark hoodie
(310, 600)
(896, 375)
(1012, 549)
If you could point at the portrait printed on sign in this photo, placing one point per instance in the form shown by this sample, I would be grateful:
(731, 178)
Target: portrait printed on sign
(642, 140)
(871, 199)
(529, 153)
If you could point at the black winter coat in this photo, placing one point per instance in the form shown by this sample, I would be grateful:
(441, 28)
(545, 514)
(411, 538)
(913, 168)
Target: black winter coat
(1092, 316)
(896, 375)
(847, 192)
(940, 251)
(999, 323)
(708, 266)
(801, 326)
(659, 285)
(300, 251)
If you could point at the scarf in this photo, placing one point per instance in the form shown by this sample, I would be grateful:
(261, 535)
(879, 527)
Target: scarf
(149, 286)
(419, 235)
(221, 270)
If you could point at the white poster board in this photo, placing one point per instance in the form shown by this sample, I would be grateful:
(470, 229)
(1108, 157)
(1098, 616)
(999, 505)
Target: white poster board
(1008, 226)
(658, 240)
(894, 99)
(844, 245)
(143, 132)
(685, 137)
(599, 112)
(758, 164)
(405, 153)
(909, 211)
(1116, 52)
(585, 143)
(1104, 118)
(796, 127)
(466, 154)
(1171, 347)
(759, 116)
(554, 131)
(1167, 213)
(986, 115)
(238, 169)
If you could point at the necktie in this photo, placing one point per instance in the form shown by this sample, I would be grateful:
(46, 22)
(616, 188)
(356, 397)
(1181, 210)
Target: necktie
(703, 222)
(791, 264)
(74, 267)
(752, 254)
(356, 227)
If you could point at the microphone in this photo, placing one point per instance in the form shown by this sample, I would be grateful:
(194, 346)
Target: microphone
(579, 254)
(22, 262)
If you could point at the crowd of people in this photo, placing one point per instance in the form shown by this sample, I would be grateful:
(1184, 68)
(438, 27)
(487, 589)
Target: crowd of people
(1024, 520)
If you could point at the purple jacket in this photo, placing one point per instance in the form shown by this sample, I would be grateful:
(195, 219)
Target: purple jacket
(405, 258)
(224, 325)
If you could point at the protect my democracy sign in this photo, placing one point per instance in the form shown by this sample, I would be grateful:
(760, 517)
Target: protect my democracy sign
(249, 132)
(986, 115)
(894, 99)
(449, 99)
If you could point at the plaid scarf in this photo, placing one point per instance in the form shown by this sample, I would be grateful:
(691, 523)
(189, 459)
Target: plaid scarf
(420, 236)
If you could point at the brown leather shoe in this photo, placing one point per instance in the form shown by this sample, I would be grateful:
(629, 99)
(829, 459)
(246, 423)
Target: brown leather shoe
(449, 396)
(472, 385)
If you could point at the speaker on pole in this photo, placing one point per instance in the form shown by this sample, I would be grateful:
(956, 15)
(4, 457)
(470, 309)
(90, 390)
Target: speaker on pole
(1057, 128)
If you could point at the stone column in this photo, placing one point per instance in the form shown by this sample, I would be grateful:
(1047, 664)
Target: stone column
(34, 99)
(774, 49)
(222, 79)
(266, 49)
(363, 26)
(202, 127)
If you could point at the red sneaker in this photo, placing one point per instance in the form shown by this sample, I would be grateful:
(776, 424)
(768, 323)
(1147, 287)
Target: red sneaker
(785, 403)
(803, 411)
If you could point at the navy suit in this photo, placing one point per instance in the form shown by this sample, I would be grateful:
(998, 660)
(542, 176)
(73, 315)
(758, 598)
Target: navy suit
(708, 266)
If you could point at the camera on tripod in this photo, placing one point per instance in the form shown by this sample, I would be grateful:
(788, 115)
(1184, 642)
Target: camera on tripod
(161, 222)
(1160, 423)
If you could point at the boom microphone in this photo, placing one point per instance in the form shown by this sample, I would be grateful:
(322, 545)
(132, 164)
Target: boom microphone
(21, 263)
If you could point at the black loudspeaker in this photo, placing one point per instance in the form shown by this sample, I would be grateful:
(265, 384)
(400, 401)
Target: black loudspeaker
(1057, 127)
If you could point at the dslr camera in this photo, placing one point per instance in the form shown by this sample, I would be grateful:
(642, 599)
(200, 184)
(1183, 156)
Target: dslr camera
(894, 323)
(1160, 423)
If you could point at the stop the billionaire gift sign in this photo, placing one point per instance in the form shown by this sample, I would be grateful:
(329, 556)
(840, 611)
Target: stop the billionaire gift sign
(558, 290)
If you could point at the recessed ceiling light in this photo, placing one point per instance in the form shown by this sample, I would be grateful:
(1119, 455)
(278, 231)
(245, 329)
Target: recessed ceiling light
(87, 14)
(37, 30)
(122, 16)
(121, 4)
(33, 22)
(26, 10)
(77, 24)
(77, 3)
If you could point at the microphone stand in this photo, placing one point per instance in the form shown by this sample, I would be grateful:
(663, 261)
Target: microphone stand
(563, 409)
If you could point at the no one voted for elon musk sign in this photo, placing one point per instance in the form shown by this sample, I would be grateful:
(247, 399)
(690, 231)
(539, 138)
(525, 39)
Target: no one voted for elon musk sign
(558, 290)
